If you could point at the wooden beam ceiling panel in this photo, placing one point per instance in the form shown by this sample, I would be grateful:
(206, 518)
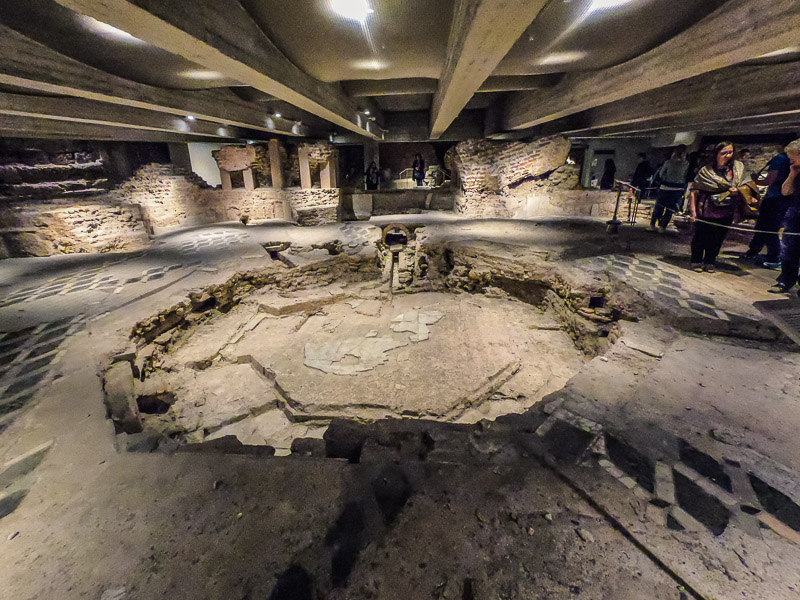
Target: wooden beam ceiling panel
(34, 127)
(390, 87)
(687, 102)
(222, 37)
(27, 64)
(738, 31)
(80, 110)
(481, 34)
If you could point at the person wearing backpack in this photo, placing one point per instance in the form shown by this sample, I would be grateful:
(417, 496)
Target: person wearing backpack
(672, 175)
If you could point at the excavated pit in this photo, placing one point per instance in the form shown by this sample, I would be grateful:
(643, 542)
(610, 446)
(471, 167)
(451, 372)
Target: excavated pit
(407, 330)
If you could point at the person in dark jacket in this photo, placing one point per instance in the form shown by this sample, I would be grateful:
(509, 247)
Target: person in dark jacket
(770, 213)
(642, 174)
(790, 242)
(609, 171)
(418, 169)
(372, 176)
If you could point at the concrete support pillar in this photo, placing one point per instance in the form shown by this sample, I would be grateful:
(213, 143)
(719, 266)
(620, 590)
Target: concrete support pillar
(225, 176)
(249, 183)
(334, 165)
(325, 175)
(275, 164)
(305, 169)
(179, 156)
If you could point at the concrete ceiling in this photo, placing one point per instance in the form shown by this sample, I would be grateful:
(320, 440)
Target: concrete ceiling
(95, 44)
(397, 40)
(329, 73)
(580, 35)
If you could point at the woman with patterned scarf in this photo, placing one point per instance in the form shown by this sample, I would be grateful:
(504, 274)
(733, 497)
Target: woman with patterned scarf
(713, 204)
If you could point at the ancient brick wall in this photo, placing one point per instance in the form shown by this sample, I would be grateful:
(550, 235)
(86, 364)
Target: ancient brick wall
(168, 196)
(41, 170)
(36, 229)
(499, 179)
(214, 205)
(314, 206)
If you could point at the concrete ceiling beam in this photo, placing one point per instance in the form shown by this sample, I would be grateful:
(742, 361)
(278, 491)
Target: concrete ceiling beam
(223, 37)
(682, 104)
(390, 87)
(27, 64)
(738, 31)
(80, 110)
(481, 35)
(515, 83)
(16, 126)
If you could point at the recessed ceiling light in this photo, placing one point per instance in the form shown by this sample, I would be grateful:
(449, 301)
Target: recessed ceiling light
(108, 31)
(356, 10)
(606, 4)
(277, 115)
(562, 58)
(190, 117)
(789, 50)
(201, 74)
(369, 64)
(366, 111)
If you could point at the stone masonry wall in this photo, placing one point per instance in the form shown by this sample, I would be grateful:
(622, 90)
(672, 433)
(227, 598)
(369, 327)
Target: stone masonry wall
(41, 170)
(497, 178)
(97, 226)
(170, 198)
(314, 206)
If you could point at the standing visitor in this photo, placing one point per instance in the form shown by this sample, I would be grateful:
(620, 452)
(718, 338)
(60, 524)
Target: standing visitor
(642, 174)
(771, 213)
(712, 205)
(670, 193)
(418, 169)
(790, 244)
(372, 176)
(609, 171)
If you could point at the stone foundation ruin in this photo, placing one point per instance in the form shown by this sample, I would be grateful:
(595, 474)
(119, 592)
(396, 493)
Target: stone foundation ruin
(401, 326)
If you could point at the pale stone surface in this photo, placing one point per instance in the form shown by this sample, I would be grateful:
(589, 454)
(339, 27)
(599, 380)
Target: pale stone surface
(120, 397)
(416, 322)
(220, 396)
(362, 206)
(235, 158)
(337, 357)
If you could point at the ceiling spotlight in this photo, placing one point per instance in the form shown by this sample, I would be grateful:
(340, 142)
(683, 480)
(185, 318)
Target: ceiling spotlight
(369, 64)
(789, 50)
(277, 115)
(190, 117)
(355, 10)
(366, 111)
(606, 4)
(201, 74)
(562, 58)
(107, 31)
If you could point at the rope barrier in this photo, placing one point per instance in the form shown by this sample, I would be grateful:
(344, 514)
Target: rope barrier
(733, 227)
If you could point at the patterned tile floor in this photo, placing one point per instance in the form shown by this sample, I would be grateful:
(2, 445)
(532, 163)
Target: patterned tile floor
(215, 239)
(666, 285)
(26, 359)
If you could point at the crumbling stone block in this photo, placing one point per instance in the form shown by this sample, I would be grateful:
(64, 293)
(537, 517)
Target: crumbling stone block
(120, 398)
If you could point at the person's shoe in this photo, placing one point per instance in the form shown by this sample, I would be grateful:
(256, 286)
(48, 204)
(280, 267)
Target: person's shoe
(696, 267)
(749, 257)
(709, 268)
(651, 228)
(662, 229)
(775, 266)
(778, 288)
